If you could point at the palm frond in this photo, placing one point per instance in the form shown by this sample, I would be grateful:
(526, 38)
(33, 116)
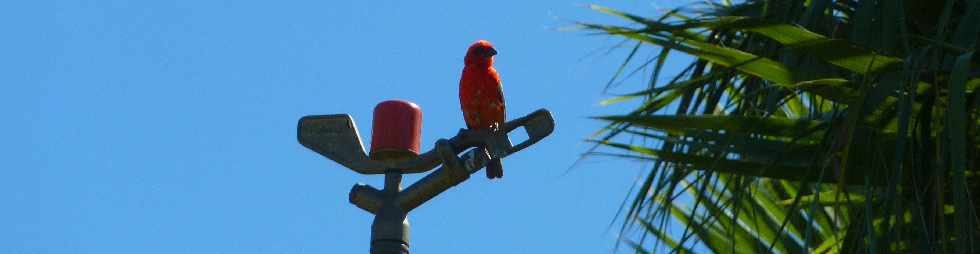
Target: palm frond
(802, 126)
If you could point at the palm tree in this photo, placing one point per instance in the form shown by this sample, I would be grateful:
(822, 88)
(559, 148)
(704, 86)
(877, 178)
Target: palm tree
(802, 126)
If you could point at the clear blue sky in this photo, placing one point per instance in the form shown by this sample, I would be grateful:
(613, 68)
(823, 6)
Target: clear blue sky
(169, 126)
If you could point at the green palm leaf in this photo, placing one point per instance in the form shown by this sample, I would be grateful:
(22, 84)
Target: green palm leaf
(803, 126)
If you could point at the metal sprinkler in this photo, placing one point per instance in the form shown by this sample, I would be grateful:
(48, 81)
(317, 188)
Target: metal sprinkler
(395, 151)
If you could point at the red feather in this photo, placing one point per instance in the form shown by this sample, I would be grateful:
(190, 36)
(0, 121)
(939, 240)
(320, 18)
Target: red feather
(481, 95)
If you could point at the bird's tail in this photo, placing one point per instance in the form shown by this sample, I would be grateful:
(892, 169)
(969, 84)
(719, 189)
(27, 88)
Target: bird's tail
(495, 169)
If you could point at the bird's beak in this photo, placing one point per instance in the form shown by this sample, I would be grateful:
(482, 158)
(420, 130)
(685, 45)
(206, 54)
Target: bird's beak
(492, 52)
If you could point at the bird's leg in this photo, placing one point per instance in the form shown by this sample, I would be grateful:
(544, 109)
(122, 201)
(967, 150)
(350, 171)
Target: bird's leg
(496, 150)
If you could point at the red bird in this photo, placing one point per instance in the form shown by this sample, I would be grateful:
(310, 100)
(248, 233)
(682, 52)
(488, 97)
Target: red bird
(481, 96)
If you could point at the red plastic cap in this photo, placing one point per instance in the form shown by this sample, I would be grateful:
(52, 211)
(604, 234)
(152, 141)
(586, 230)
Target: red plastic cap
(397, 127)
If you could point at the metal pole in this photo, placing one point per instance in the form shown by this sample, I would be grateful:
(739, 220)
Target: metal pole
(389, 231)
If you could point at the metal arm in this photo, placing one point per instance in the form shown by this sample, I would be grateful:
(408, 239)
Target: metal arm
(454, 169)
(336, 137)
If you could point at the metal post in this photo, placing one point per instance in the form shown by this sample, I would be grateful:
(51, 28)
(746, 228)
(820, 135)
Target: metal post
(389, 230)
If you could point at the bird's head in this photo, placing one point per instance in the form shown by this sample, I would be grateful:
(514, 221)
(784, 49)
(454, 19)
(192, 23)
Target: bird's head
(480, 53)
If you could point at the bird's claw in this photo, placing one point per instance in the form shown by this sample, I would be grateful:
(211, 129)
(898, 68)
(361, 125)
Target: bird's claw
(499, 144)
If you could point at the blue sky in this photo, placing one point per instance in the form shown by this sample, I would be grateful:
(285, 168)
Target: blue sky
(169, 126)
